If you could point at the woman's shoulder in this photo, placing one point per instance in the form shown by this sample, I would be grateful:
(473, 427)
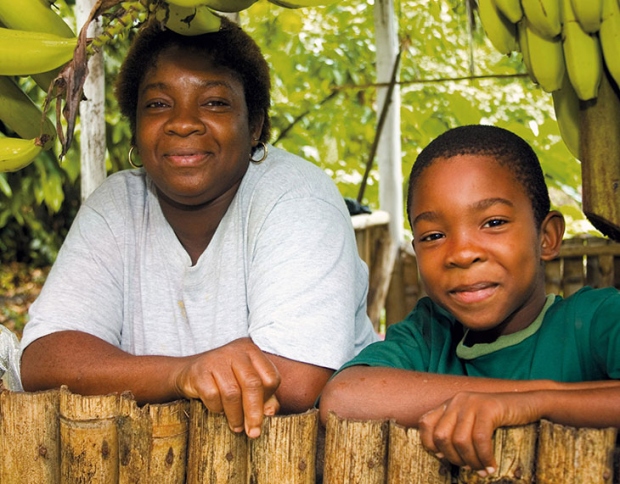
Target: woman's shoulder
(125, 187)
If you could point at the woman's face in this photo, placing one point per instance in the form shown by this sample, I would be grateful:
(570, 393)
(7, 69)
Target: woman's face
(192, 129)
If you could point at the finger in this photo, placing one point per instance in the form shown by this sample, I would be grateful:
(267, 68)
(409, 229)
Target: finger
(482, 435)
(230, 394)
(252, 398)
(267, 372)
(271, 406)
(207, 390)
(426, 427)
(443, 435)
(462, 448)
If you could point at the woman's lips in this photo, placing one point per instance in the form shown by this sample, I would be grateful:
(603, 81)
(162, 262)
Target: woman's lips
(185, 158)
(474, 293)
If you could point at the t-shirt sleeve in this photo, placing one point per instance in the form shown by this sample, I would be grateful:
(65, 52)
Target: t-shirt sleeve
(605, 332)
(307, 286)
(84, 287)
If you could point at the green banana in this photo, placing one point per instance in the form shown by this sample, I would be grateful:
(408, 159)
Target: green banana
(18, 153)
(524, 48)
(229, 6)
(566, 107)
(589, 14)
(24, 53)
(609, 36)
(33, 16)
(21, 114)
(302, 3)
(546, 58)
(188, 20)
(501, 32)
(544, 16)
(511, 9)
(582, 53)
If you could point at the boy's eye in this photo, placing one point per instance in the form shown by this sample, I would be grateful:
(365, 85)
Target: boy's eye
(431, 237)
(496, 222)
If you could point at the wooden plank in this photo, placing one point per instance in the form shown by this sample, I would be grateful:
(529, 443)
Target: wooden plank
(410, 462)
(286, 450)
(29, 437)
(168, 456)
(573, 271)
(355, 451)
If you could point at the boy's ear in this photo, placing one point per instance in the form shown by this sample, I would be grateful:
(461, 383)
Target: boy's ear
(551, 234)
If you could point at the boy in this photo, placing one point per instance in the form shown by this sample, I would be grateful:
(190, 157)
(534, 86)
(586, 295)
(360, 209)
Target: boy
(487, 348)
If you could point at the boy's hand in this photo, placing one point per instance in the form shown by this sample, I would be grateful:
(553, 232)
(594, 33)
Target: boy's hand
(237, 379)
(461, 429)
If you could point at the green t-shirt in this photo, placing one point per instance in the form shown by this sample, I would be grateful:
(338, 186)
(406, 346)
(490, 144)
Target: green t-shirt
(573, 339)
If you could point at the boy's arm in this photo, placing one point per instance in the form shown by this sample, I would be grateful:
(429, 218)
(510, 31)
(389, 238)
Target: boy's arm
(447, 405)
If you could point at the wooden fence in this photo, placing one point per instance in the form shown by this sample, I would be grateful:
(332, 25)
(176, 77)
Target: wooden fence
(583, 261)
(60, 437)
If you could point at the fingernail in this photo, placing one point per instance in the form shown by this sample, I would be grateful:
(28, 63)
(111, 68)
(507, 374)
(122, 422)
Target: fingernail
(482, 473)
(237, 429)
(439, 455)
(253, 433)
(491, 470)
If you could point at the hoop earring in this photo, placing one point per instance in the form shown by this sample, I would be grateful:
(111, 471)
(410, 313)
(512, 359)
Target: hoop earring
(130, 157)
(265, 153)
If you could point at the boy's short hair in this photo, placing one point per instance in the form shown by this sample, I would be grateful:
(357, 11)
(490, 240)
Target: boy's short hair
(506, 147)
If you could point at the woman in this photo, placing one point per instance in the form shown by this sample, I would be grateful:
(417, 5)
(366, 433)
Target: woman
(224, 269)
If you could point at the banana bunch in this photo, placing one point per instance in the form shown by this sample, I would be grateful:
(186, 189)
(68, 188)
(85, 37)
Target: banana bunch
(565, 46)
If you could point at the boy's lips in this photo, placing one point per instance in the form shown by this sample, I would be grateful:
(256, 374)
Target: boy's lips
(473, 293)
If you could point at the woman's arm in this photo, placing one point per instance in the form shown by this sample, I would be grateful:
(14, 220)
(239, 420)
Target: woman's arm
(237, 378)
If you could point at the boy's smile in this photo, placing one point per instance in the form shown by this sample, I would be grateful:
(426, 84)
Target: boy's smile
(477, 244)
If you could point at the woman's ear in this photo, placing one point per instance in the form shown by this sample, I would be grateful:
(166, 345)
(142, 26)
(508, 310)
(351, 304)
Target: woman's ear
(257, 128)
(551, 234)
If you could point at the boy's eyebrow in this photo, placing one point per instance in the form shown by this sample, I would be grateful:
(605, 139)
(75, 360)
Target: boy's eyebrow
(480, 205)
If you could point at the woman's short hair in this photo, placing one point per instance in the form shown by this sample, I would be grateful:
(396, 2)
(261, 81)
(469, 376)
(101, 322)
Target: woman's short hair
(230, 47)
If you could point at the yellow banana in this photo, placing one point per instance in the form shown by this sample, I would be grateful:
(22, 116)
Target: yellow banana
(188, 20)
(501, 32)
(546, 58)
(33, 16)
(21, 114)
(582, 53)
(544, 16)
(24, 53)
(229, 6)
(511, 9)
(566, 107)
(524, 48)
(609, 36)
(18, 153)
(589, 14)
(302, 3)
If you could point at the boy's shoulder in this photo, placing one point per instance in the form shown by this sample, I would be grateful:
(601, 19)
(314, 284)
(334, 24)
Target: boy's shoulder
(587, 303)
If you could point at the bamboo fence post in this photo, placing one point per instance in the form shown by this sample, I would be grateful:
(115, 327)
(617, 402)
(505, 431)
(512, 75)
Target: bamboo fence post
(286, 450)
(599, 268)
(579, 456)
(135, 429)
(355, 451)
(515, 453)
(88, 438)
(573, 276)
(553, 276)
(215, 453)
(410, 462)
(29, 437)
(168, 457)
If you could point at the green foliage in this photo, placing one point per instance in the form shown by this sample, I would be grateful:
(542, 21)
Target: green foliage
(325, 108)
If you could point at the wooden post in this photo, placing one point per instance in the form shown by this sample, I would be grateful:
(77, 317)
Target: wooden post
(553, 276)
(355, 451)
(600, 158)
(567, 454)
(135, 429)
(169, 445)
(29, 438)
(215, 454)
(286, 450)
(573, 276)
(88, 438)
(515, 452)
(410, 462)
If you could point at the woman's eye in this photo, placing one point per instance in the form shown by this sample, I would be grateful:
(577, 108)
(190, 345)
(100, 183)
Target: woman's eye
(156, 104)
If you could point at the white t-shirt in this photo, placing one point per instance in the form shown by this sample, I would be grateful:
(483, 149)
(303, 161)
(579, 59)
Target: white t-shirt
(282, 268)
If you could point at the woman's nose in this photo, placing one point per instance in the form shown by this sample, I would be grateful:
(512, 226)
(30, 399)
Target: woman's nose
(184, 122)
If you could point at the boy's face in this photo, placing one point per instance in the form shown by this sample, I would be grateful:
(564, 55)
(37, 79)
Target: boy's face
(477, 244)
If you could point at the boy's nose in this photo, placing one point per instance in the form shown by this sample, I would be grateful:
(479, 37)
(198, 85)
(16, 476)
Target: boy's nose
(464, 251)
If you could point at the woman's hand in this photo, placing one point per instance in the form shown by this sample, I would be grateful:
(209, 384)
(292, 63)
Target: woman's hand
(237, 379)
(461, 429)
